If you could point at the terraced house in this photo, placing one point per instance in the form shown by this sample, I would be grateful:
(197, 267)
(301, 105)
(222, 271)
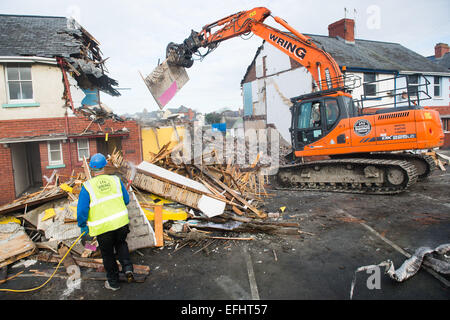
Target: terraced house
(52, 76)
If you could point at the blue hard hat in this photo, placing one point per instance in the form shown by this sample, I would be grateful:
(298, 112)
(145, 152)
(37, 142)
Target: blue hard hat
(98, 161)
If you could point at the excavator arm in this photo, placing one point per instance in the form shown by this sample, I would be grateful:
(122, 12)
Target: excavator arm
(323, 68)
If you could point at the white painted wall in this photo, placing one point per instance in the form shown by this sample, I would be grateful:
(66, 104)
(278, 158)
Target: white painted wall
(280, 89)
(48, 90)
(444, 98)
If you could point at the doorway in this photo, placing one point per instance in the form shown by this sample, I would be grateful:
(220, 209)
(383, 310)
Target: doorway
(107, 147)
(26, 160)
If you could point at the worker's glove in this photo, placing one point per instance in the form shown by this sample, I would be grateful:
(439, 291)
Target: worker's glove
(85, 229)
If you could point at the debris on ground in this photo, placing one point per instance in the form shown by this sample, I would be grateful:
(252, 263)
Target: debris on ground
(428, 257)
(440, 159)
(176, 204)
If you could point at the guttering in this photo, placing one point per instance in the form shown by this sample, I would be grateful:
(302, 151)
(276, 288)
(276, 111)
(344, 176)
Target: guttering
(426, 73)
(367, 70)
(97, 135)
(29, 59)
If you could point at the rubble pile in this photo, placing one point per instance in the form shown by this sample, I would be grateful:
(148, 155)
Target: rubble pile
(170, 203)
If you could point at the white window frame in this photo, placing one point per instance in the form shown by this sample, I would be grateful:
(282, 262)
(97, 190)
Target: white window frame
(80, 158)
(372, 84)
(18, 101)
(417, 85)
(50, 161)
(437, 85)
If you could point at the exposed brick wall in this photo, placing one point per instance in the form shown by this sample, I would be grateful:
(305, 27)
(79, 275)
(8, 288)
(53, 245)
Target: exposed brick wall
(7, 190)
(131, 145)
(344, 28)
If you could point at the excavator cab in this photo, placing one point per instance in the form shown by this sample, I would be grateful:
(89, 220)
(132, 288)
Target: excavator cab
(314, 117)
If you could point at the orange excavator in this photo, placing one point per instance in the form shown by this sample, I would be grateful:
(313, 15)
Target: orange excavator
(365, 153)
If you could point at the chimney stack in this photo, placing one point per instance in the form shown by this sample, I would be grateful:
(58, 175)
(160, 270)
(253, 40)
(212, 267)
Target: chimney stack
(440, 49)
(344, 28)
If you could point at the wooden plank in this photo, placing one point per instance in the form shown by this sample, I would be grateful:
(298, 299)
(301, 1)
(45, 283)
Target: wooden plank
(158, 226)
(233, 193)
(15, 246)
(87, 172)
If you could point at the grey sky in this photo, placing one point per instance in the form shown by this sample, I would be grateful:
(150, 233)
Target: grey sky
(134, 34)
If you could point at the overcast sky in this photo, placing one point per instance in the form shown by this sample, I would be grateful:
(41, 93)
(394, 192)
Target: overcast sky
(134, 34)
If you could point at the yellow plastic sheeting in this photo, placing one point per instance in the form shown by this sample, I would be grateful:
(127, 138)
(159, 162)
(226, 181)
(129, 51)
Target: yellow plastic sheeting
(9, 219)
(155, 138)
(65, 187)
(49, 213)
(167, 214)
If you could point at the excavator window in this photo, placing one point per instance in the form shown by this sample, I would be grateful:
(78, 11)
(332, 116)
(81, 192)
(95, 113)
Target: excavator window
(332, 112)
(352, 110)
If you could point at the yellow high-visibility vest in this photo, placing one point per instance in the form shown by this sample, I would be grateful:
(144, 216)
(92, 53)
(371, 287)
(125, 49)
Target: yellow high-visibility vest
(107, 209)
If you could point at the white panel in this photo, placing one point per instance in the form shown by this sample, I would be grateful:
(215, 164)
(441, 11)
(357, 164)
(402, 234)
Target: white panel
(255, 95)
(259, 66)
(210, 206)
(172, 176)
(279, 90)
(276, 60)
(260, 106)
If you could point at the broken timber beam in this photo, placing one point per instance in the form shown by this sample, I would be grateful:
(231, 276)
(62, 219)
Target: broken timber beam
(232, 193)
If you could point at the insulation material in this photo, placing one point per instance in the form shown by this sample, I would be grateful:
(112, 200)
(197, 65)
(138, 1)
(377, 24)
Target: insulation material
(423, 255)
(165, 81)
(14, 243)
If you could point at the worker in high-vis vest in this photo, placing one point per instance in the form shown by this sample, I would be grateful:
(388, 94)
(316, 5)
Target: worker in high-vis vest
(102, 212)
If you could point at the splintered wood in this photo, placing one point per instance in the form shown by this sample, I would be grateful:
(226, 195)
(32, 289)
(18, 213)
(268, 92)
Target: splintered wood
(15, 244)
(241, 189)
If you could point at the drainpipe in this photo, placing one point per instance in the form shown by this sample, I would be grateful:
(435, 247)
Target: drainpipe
(68, 141)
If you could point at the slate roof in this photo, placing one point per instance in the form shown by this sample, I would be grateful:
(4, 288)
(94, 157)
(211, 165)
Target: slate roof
(375, 55)
(37, 36)
(372, 55)
(443, 61)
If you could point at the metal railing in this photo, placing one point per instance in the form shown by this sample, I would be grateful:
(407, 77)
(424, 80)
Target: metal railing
(410, 95)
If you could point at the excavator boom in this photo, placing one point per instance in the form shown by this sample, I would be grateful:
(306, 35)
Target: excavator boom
(299, 47)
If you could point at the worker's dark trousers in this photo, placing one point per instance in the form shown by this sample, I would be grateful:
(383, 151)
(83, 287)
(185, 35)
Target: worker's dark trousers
(112, 243)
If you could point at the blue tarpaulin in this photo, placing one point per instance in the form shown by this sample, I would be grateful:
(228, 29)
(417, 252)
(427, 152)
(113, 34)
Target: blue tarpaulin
(219, 127)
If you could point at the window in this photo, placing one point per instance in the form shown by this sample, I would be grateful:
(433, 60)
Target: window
(332, 112)
(83, 149)
(370, 88)
(309, 116)
(437, 86)
(20, 87)
(350, 106)
(54, 153)
(413, 85)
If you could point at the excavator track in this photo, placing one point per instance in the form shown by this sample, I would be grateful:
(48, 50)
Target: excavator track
(424, 164)
(351, 175)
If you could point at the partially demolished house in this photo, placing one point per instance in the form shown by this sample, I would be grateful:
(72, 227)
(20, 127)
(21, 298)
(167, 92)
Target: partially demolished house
(51, 116)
